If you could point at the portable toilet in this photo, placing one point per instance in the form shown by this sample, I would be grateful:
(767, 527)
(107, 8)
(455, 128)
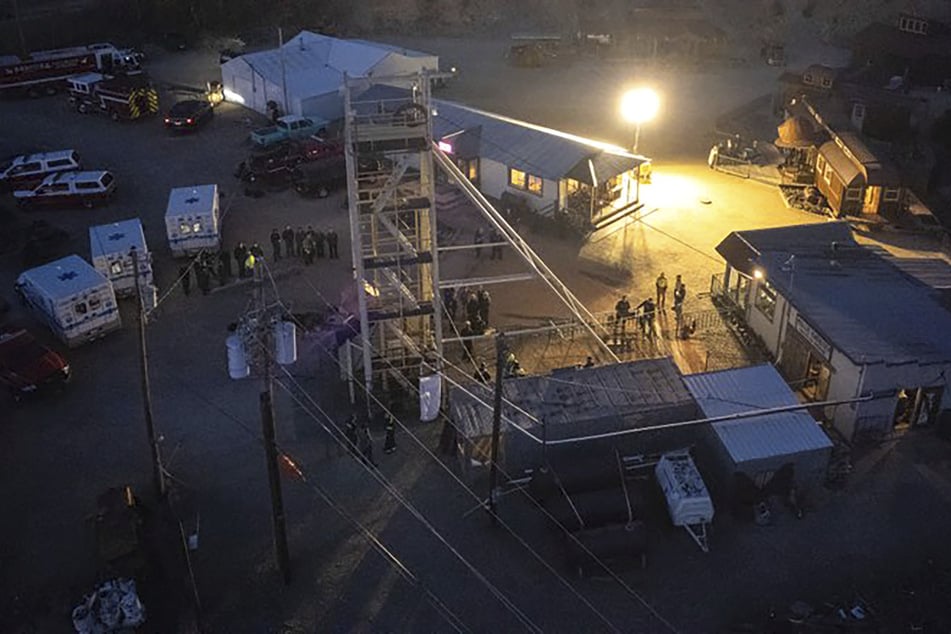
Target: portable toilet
(111, 248)
(74, 299)
(191, 220)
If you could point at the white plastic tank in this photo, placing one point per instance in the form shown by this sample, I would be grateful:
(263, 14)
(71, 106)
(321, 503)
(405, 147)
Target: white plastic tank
(285, 342)
(238, 367)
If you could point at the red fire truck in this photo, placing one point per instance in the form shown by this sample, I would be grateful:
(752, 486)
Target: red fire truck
(46, 71)
(120, 97)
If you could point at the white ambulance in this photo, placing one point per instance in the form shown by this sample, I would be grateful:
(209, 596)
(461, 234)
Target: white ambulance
(74, 299)
(111, 249)
(192, 221)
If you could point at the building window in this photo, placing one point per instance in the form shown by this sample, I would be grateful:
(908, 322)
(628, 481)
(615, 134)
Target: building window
(766, 299)
(535, 185)
(115, 268)
(527, 182)
(807, 79)
(891, 194)
(826, 82)
(81, 308)
(820, 164)
(827, 176)
(473, 172)
(853, 193)
(858, 111)
(517, 178)
(184, 228)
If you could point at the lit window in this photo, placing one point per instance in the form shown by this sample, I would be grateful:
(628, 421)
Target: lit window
(196, 227)
(184, 228)
(766, 299)
(853, 193)
(891, 194)
(828, 175)
(820, 163)
(473, 169)
(535, 184)
(115, 268)
(517, 178)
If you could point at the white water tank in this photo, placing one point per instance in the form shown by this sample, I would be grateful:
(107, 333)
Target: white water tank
(285, 342)
(238, 367)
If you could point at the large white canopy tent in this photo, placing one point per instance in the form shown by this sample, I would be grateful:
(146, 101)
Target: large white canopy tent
(305, 76)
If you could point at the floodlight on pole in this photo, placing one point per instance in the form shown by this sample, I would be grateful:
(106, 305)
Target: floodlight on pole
(638, 106)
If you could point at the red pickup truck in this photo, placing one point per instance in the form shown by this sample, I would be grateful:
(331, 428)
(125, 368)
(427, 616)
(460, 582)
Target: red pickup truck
(27, 366)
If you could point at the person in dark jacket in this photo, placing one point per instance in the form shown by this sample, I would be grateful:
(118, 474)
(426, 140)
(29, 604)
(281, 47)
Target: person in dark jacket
(299, 241)
(256, 250)
(288, 236)
(350, 435)
(366, 446)
(319, 243)
(240, 256)
(185, 276)
(204, 278)
(224, 260)
(332, 244)
(276, 244)
(389, 444)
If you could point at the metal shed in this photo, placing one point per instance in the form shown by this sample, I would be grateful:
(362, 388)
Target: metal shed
(760, 445)
(542, 412)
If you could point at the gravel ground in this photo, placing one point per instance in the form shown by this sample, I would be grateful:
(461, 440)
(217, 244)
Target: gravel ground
(57, 454)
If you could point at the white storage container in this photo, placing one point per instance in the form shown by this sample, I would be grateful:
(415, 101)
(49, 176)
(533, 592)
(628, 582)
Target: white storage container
(111, 247)
(192, 221)
(74, 299)
(238, 367)
(285, 342)
(688, 501)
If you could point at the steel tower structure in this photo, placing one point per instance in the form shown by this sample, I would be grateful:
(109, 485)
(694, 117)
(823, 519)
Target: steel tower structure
(390, 174)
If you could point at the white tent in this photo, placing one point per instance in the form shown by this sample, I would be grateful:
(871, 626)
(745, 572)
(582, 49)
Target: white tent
(310, 68)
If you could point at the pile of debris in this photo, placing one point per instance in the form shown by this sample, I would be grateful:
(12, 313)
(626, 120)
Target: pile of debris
(112, 607)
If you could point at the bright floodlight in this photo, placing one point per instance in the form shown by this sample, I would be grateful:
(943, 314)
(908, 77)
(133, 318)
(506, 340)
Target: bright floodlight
(640, 105)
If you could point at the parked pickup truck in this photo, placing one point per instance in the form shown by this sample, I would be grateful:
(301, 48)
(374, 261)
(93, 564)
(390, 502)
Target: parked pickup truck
(27, 366)
(286, 128)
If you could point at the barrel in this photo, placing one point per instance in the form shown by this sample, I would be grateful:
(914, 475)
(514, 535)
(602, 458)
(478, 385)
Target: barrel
(238, 367)
(285, 342)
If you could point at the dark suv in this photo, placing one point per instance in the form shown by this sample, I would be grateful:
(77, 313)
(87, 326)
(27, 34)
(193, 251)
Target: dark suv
(189, 115)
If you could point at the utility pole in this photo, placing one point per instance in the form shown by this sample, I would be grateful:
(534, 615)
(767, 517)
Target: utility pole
(158, 473)
(267, 429)
(496, 422)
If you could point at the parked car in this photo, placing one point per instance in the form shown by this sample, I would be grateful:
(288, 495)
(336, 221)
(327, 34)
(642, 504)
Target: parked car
(69, 189)
(270, 163)
(316, 147)
(29, 170)
(189, 114)
(286, 128)
(27, 366)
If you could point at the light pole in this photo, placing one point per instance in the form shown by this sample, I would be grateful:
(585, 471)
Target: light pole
(638, 106)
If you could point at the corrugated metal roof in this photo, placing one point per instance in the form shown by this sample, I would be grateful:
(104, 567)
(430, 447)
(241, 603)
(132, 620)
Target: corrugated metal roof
(633, 394)
(758, 387)
(855, 297)
(535, 149)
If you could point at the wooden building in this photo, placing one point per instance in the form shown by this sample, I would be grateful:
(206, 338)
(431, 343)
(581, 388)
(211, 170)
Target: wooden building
(914, 47)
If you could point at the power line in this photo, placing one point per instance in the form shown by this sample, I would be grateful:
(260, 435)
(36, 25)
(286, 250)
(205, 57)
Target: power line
(453, 620)
(653, 611)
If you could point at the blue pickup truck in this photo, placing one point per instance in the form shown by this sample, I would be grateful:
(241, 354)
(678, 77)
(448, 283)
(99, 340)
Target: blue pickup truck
(286, 128)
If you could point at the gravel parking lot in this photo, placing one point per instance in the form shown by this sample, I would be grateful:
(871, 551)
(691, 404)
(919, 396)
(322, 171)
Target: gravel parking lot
(57, 454)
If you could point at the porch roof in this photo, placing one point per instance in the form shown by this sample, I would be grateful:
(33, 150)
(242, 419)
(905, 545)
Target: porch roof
(597, 169)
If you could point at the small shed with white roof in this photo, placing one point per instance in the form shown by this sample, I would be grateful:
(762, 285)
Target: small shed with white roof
(758, 446)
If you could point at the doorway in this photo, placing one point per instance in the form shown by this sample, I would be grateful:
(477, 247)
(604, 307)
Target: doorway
(917, 407)
(808, 372)
(873, 195)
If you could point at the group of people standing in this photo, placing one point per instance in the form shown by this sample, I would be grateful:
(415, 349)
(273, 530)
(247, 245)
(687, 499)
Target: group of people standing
(206, 266)
(306, 244)
(474, 304)
(494, 238)
(645, 313)
(359, 442)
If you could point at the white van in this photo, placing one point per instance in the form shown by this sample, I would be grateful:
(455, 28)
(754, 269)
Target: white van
(29, 170)
(71, 297)
(111, 249)
(191, 220)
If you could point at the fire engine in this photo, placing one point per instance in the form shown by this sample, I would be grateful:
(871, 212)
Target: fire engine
(45, 71)
(119, 97)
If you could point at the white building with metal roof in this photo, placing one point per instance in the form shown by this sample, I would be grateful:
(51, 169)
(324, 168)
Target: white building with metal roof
(305, 76)
(843, 322)
(759, 446)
